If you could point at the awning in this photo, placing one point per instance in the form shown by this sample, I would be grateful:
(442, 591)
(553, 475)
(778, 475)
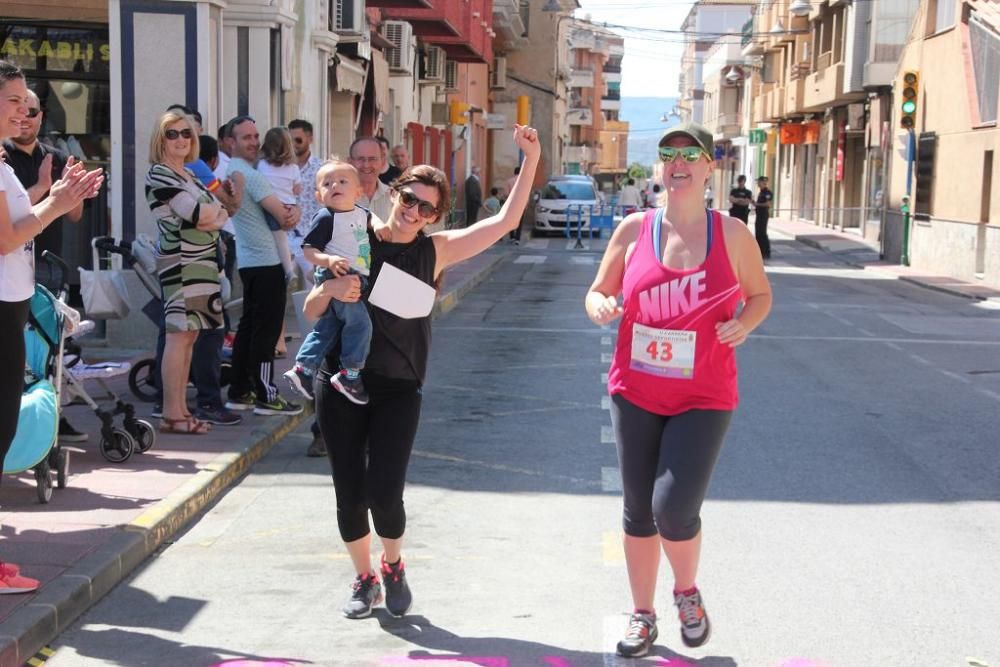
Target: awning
(380, 69)
(350, 75)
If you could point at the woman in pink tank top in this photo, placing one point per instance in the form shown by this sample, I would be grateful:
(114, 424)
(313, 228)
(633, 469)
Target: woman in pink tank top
(683, 274)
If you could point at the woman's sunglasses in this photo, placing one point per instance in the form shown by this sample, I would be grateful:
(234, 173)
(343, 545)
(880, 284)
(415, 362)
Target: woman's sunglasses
(173, 134)
(688, 153)
(424, 208)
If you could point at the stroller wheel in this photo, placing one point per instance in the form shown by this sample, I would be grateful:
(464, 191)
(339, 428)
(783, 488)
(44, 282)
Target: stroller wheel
(119, 447)
(142, 380)
(145, 435)
(43, 482)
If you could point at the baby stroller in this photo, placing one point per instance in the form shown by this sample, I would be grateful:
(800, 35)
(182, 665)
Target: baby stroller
(140, 256)
(116, 444)
(36, 445)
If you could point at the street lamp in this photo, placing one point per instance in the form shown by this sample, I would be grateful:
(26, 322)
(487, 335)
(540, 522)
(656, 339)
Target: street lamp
(734, 75)
(800, 8)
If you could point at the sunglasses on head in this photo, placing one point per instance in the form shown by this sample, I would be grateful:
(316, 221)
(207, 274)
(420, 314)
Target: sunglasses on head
(424, 208)
(688, 153)
(33, 113)
(173, 134)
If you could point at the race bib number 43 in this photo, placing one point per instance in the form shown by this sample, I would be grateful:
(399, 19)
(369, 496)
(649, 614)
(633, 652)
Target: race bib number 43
(663, 352)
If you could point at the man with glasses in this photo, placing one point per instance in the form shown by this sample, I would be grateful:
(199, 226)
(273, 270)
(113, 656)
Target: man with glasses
(366, 156)
(309, 164)
(37, 166)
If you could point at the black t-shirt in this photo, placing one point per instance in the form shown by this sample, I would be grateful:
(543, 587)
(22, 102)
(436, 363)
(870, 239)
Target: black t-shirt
(399, 347)
(25, 167)
(763, 197)
(742, 193)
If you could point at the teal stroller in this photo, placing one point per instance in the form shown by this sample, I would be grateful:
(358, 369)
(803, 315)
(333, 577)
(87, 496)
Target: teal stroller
(36, 446)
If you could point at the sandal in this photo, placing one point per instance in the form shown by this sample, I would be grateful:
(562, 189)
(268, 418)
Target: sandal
(188, 425)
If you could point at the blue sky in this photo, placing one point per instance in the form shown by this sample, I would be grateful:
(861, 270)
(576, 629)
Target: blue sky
(652, 63)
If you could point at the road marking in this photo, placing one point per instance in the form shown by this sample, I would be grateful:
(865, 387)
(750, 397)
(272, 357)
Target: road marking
(842, 320)
(862, 339)
(605, 357)
(605, 340)
(865, 332)
(582, 259)
(987, 392)
(537, 244)
(607, 434)
(894, 346)
(605, 402)
(530, 259)
(955, 376)
(604, 378)
(920, 360)
(611, 479)
(611, 548)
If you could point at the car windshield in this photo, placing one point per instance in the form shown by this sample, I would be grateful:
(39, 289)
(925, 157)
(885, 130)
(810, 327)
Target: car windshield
(568, 190)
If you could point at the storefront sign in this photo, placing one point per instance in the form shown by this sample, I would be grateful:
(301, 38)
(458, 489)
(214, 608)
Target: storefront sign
(496, 121)
(758, 136)
(792, 133)
(35, 48)
(811, 132)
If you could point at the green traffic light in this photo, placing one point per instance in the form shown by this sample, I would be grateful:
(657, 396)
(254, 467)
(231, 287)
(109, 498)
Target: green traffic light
(909, 106)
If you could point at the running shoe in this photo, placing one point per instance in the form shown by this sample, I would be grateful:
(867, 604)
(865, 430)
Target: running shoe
(300, 380)
(352, 388)
(244, 402)
(695, 627)
(317, 447)
(218, 416)
(398, 597)
(366, 592)
(157, 412)
(279, 406)
(639, 637)
(11, 581)
(69, 434)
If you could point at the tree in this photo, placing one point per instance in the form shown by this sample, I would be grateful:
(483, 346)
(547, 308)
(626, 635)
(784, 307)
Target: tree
(638, 171)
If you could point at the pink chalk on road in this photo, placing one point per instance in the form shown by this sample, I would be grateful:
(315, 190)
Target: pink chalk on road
(489, 661)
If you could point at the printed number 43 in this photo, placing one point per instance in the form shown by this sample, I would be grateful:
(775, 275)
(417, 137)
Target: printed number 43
(660, 351)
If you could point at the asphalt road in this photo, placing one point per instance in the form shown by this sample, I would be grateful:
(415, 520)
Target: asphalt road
(852, 520)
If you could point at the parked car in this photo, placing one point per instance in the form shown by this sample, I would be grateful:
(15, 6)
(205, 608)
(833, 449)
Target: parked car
(559, 194)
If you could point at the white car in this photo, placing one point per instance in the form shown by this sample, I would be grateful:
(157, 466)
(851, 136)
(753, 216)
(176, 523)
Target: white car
(562, 197)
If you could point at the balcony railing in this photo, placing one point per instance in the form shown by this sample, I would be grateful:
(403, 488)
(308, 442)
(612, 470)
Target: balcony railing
(612, 68)
(581, 78)
(580, 116)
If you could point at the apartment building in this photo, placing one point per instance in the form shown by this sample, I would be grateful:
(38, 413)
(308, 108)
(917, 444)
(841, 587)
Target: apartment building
(954, 52)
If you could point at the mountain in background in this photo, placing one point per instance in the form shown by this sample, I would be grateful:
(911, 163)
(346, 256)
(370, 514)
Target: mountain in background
(645, 128)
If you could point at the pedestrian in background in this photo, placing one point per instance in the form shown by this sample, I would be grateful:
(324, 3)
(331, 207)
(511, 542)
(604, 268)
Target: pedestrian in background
(473, 196)
(369, 445)
(739, 200)
(277, 165)
(390, 172)
(515, 236)
(762, 213)
(264, 288)
(366, 156)
(302, 138)
(673, 374)
(188, 219)
(709, 196)
(492, 203)
(20, 224)
(400, 157)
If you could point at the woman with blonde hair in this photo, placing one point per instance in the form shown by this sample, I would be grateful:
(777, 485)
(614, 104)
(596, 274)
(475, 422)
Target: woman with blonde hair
(188, 218)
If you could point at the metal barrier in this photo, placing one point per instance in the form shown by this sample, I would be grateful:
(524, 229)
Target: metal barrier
(595, 216)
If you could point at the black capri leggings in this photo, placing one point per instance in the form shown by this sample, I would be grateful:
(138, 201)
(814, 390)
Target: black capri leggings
(369, 449)
(13, 317)
(666, 465)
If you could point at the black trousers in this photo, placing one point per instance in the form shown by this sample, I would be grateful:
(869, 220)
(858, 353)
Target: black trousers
(516, 234)
(13, 317)
(740, 214)
(760, 231)
(369, 450)
(258, 332)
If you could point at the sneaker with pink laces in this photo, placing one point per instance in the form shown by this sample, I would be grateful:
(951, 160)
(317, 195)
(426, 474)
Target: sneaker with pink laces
(12, 582)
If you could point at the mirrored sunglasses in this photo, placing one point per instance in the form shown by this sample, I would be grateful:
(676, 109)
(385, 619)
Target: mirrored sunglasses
(424, 208)
(688, 153)
(173, 134)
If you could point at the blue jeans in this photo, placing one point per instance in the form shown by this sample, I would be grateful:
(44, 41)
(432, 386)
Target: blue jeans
(347, 322)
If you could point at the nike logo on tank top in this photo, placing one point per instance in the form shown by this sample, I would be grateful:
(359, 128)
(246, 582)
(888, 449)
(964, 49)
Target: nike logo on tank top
(667, 358)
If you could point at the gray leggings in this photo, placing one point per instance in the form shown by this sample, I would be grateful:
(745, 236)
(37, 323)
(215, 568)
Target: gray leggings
(666, 465)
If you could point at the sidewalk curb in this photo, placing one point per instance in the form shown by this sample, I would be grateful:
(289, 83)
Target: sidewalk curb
(845, 256)
(60, 602)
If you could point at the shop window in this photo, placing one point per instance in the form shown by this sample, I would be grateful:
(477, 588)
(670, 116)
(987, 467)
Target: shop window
(943, 13)
(985, 47)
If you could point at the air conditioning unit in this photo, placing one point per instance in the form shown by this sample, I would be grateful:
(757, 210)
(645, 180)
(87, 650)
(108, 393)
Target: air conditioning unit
(439, 113)
(400, 56)
(498, 75)
(347, 16)
(451, 75)
(434, 64)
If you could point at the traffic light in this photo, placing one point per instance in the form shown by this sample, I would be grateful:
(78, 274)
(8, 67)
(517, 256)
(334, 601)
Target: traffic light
(908, 108)
(458, 113)
(523, 110)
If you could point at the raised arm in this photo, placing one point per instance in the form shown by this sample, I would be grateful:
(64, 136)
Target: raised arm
(456, 245)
